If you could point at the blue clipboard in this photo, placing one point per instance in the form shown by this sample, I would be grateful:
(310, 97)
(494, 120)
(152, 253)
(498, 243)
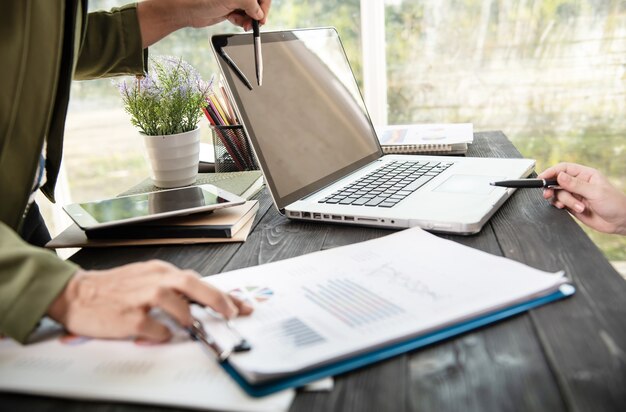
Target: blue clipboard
(346, 365)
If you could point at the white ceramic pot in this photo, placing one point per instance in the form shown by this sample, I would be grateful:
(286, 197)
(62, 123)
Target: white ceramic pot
(173, 158)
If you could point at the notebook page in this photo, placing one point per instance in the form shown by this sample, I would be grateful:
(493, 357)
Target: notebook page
(178, 373)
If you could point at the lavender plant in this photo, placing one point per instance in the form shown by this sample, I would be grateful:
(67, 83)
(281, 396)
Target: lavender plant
(167, 100)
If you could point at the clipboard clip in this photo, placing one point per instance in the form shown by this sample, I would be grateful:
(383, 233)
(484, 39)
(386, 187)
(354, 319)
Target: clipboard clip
(198, 333)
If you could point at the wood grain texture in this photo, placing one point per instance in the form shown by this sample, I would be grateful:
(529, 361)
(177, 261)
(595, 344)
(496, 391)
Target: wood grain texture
(499, 367)
(382, 387)
(585, 336)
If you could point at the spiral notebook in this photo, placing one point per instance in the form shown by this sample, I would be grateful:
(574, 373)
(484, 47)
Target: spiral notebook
(440, 139)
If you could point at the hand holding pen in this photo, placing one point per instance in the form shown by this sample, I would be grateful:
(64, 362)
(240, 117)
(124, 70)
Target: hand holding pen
(587, 195)
(248, 10)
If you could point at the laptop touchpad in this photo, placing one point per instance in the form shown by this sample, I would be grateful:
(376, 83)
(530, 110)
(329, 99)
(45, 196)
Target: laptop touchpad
(475, 184)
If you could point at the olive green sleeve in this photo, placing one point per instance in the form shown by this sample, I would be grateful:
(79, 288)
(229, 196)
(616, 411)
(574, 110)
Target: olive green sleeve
(30, 280)
(111, 45)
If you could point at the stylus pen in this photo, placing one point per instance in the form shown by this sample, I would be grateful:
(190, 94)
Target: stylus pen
(233, 66)
(524, 183)
(258, 55)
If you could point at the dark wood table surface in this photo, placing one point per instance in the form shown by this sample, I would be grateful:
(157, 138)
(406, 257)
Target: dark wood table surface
(568, 355)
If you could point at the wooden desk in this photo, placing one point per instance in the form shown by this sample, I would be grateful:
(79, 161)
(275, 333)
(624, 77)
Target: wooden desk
(569, 355)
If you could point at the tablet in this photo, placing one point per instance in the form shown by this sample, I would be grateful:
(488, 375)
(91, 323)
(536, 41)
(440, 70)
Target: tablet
(150, 206)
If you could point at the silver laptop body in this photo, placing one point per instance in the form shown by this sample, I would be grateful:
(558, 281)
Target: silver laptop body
(316, 146)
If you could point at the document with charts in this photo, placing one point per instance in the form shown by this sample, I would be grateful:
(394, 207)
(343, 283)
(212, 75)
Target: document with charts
(335, 304)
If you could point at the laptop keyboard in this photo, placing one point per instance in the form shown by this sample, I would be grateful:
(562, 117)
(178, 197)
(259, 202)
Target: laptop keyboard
(388, 185)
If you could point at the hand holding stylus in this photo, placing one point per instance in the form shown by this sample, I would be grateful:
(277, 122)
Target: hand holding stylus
(588, 195)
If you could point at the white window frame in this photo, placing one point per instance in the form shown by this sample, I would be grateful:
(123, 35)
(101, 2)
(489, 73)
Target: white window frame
(374, 59)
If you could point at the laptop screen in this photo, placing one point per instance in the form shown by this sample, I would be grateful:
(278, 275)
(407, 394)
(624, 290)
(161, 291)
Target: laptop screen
(307, 122)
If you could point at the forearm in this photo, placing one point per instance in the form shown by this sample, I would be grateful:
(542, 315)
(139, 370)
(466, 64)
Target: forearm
(30, 280)
(158, 19)
(111, 45)
(621, 202)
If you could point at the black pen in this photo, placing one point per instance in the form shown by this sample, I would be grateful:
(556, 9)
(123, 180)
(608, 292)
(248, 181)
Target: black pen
(234, 66)
(258, 56)
(524, 183)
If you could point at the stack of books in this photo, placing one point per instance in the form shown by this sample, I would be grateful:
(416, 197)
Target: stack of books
(232, 224)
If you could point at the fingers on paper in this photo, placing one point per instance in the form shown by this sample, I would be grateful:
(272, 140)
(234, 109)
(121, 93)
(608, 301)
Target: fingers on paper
(244, 307)
(145, 327)
(171, 302)
(122, 299)
(189, 284)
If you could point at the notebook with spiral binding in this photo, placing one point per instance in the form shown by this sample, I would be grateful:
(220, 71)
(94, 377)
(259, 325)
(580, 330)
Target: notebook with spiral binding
(440, 139)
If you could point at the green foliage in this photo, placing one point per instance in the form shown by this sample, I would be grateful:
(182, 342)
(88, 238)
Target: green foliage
(343, 15)
(167, 100)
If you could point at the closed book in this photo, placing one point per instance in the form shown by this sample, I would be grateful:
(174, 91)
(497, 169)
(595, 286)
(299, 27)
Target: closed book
(74, 236)
(222, 224)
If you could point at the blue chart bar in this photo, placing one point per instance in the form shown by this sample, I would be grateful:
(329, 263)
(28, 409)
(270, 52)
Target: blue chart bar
(298, 333)
(351, 303)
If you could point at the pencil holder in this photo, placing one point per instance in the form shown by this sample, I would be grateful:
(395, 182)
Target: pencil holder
(232, 149)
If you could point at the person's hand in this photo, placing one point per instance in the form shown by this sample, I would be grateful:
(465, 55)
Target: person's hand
(202, 13)
(158, 18)
(587, 195)
(116, 303)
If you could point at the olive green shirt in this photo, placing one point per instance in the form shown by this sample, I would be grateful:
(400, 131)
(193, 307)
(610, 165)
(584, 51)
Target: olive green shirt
(43, 45)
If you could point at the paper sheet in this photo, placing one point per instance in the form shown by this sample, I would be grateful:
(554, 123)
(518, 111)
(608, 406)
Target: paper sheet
(335, 303)
(178, 373)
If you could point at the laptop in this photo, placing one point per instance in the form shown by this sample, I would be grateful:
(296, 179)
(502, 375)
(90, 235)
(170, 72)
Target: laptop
(322, 161)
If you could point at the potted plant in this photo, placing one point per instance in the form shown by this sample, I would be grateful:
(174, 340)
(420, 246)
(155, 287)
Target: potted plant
(165, 105)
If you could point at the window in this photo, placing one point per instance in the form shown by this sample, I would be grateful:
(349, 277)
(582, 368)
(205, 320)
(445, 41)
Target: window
(550, 74)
